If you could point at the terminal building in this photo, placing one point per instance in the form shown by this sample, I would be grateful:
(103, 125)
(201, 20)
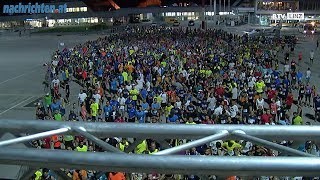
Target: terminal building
(262, 12)
(291, 12)
(109, 11)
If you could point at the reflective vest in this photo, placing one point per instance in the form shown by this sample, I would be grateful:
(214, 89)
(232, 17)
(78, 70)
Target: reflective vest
(141, 147)
(155, 151)
(83, 149)
(191, 123)
(38, 175)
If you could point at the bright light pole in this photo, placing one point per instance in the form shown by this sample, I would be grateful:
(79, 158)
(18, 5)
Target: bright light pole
(203, 15)
(210, 14)
(215, 12)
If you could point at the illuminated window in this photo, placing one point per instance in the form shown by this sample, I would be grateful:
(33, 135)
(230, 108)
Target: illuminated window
(83, 9)
(185, 14)
(77, 9)
(94, 20)
(170, 14)
(178, 13)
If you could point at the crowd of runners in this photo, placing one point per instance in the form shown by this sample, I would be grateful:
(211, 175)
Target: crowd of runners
(177, 76)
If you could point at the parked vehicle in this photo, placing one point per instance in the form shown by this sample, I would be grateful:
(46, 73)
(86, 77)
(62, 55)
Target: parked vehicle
(176, 23)
(191, 23)
(309, 29)
(117, 23)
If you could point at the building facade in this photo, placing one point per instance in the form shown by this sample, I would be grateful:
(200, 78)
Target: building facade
(80, 13)
(262, 12)
(290, 12)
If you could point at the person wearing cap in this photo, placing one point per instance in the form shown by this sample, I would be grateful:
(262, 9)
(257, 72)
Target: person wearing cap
(94, 107)
(47, 100)
(153, 148)
(117, 176)
(316, 106)
(72, 116)
(79, 175)
(40, 111)
(46, 174)
(82, 147)
(230, 145)
(259, 86)
(297, 119)
(57, 115)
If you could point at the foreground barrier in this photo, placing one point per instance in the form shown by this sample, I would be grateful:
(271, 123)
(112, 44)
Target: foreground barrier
(162, 161)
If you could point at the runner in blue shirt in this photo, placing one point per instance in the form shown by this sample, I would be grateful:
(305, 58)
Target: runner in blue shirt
(316, 101)
(131, 113)
(141, 115)
(107, 110)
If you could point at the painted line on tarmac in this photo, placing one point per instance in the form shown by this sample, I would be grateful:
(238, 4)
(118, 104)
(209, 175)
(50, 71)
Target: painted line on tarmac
(12, 78)
(10, 94)
(16, 77)
(16, 105)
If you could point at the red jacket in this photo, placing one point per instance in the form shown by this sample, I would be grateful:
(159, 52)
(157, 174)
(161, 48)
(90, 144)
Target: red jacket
(289, 100)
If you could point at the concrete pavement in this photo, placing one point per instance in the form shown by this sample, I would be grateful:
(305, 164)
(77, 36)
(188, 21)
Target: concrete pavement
(21, 70)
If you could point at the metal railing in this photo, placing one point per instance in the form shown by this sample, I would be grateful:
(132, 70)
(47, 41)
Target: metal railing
(163, 161)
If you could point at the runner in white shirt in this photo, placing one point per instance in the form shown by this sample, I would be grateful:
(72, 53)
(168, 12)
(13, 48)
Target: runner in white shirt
(55, 82)
(82, 96)
(139, 85)
(90, 65)
(260, 102)
(311, 56)
(129, 86)
(178, 103)
(234, 110)
(267, 78)
(55, 63)
(97, 97)
(247, 147)
(308, 75)
(287, 68)
(122, 102)
(234, 92)
(218, 110)
(212, 102)
(164, 98)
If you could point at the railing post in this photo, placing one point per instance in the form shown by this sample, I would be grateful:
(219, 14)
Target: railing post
(195, 143)
(269, 144)
(34, 137)
(104, 145)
